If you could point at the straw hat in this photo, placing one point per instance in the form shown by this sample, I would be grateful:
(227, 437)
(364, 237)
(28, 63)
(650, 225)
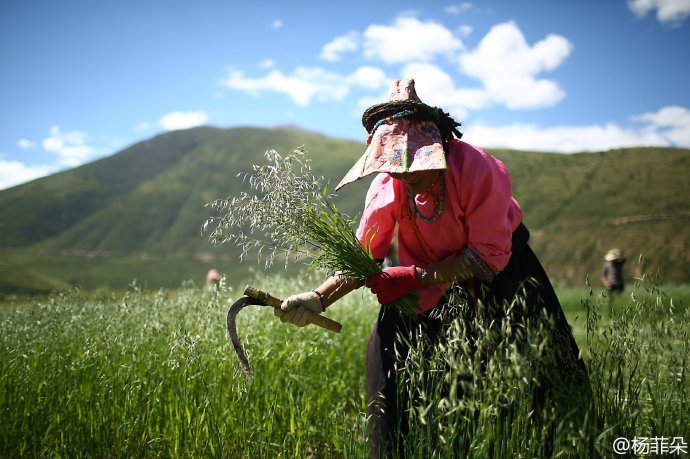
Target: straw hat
(403, 136)
(613, 254)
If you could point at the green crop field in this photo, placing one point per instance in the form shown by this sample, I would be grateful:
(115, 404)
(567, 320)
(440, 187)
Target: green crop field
(148, 373)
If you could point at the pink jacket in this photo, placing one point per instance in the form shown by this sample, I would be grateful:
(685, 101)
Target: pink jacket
(480, 214)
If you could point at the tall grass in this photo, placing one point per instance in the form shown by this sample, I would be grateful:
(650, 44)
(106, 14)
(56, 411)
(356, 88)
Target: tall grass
(152, 374)
(640, 363)
(475, 394)
(496, 388)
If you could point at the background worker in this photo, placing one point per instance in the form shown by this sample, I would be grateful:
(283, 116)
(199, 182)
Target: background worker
(612, 272)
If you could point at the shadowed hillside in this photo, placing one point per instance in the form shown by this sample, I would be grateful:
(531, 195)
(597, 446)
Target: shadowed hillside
(138, 213)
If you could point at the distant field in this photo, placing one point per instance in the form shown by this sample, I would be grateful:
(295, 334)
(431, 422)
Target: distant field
(24, 272)
(151, 373)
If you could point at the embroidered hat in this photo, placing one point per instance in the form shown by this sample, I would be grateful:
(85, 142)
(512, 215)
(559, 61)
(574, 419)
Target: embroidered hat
(403, 136)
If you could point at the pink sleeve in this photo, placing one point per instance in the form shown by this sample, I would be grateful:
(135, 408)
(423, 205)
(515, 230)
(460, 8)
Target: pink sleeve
(377, 225)
(486, 195)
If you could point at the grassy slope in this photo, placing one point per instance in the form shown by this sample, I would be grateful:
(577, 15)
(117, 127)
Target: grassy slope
(138, 213)
(49, 206)
(579, 206)
(149, 229)
(164, 213)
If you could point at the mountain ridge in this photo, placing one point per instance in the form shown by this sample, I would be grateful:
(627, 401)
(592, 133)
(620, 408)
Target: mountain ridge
(146, 203)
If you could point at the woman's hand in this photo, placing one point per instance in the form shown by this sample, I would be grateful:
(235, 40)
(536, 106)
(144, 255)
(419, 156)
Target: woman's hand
(394, 283)
(296, 308)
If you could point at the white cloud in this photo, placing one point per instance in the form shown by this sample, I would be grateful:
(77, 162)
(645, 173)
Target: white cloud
(436, 87)
(307, 83)
(671, 122)
(368, 78)
(409, 39)
(14, 172)
(267, 63)
(670, 127)
(332, 50)
(70, 147)
(459, 9)
(277, 24)
(507, 66)
(26, 144)
(143, 126)
(303, 86)
(564, 139)
(182, 120)
(503, 62)
(465, 30)
(669, 12)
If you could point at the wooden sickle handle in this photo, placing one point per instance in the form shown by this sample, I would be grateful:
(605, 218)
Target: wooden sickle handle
(270, 300)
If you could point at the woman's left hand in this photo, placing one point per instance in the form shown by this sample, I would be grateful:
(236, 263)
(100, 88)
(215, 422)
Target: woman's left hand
(394, 283)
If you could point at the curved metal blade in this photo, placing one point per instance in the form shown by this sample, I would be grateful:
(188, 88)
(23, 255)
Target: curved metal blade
(236, 307)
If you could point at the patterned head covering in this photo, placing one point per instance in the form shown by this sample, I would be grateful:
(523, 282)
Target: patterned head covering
(403, 136)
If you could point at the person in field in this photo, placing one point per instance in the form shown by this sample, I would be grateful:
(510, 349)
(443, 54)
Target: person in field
(459, 231)
(212, 280)
(612, 272)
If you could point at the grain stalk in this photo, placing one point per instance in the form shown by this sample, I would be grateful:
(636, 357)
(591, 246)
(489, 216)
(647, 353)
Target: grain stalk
(289, 214)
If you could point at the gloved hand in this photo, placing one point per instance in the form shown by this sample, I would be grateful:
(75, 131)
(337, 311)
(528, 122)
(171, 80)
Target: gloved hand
(393, 283)
(295, 309)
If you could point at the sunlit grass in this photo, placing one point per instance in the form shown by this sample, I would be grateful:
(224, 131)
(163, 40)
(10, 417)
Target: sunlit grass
(152, 374)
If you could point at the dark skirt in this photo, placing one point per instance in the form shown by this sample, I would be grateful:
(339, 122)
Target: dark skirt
(523, 276)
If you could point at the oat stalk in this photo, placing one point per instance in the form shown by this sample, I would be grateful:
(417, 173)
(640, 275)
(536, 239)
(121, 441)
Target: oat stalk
(288, 213)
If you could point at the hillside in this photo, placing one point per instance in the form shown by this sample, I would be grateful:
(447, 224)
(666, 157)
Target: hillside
(579, 206)
(150, 196)
(137, 214)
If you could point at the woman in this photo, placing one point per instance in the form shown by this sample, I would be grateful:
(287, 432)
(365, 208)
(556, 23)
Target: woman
(459, 229)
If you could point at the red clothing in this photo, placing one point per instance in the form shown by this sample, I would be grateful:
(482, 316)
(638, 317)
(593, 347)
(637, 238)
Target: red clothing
(479, 213)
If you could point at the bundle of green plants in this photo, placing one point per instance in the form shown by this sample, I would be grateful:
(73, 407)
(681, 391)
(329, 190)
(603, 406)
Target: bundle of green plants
(289, 214)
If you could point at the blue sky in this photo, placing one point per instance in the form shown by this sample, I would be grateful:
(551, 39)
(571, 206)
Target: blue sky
(81, 79)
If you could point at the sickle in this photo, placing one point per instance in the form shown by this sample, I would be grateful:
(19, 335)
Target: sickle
(260, 298)
(236, 307)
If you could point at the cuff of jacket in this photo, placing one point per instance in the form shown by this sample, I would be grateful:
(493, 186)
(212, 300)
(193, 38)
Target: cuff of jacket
(480, 269)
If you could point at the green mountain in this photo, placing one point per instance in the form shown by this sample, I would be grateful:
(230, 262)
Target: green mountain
(138, 213)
